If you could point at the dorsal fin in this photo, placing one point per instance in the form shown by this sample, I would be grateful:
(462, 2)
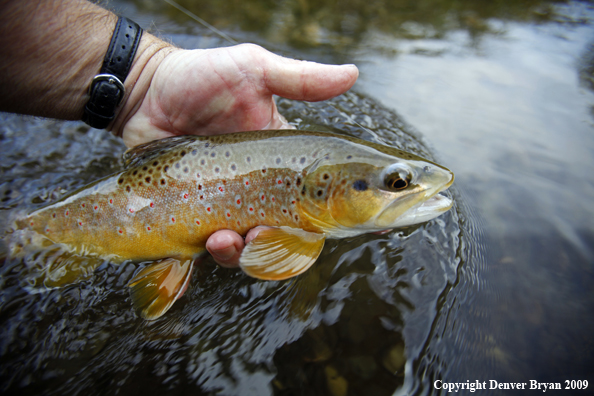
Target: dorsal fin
(149, 151)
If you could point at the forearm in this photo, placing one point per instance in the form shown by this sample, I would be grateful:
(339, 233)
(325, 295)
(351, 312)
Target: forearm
(50, 50)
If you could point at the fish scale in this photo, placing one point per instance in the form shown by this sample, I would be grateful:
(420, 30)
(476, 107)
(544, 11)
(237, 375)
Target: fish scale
(177, 192)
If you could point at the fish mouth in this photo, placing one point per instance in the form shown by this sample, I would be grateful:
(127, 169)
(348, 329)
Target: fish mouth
(423, 211)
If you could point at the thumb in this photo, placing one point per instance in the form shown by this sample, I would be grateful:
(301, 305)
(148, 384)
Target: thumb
(302, 80)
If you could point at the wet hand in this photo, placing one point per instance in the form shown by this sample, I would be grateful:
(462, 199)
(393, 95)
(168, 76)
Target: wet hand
(226, 246)
(223, 90)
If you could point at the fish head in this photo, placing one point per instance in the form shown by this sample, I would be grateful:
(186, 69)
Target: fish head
(376, 194)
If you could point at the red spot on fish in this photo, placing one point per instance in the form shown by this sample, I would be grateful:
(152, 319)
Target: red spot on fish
(272, 199)
(284, 210)
(262, 197)
(238, 201)
(293, 202)
(67, 213)
(262, 214)
(186, 196)
(120, 231)
(247, 183)
(198, 222)
(221, 189)
(111, 201)
(47, 230)
(280, 181)
(80, 223)
(238, 222)
(228, 214)
(131, 210)
(54, 215)
(148, 228)
(199, 186)
(173, 219)
(152, 204)
(31, 224)
(208, 209)
(96, 207)
(251, 209)
(83, 205)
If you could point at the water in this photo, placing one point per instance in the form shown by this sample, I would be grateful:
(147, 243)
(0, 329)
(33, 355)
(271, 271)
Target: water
(497, 289)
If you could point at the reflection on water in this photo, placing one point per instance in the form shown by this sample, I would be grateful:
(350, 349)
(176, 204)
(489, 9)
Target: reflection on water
(499, 288)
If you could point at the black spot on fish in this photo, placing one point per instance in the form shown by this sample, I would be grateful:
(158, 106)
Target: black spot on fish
(326, 177)
(183, 153)
(177, 165)
(162, 182)
(134, 173)
(194, 152)
(303, 191)
(202, 162)
(298, 181)
(148, 179)
(249, 159)
(165, 168)
(227, 154)
(302, 160)
(360, 185)
(128, 189)
(349, 157)
(144, 168)
(120, 181)
(233, 167)
(278, 161)
(217, 169)
(155, 163)
(206, 144)
(213, 154)
(186, 170)
(320, 192)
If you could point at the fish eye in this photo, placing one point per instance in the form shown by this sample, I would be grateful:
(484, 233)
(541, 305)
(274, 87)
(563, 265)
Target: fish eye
(397, 181)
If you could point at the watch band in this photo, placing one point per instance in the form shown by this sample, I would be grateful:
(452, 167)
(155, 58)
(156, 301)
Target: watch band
(107, 88)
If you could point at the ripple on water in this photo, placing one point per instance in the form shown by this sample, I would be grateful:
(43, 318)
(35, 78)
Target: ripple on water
(366, 319)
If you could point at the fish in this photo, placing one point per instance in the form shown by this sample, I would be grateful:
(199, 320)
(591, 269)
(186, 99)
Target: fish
(174, 193)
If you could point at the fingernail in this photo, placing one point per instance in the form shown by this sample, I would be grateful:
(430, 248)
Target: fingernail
(225, 254)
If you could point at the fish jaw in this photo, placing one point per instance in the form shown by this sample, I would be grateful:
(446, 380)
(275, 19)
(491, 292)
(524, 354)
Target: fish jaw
(421, 206)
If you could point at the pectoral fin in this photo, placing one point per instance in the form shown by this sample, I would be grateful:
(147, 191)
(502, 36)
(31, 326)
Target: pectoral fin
(156, 287)
(281, 253)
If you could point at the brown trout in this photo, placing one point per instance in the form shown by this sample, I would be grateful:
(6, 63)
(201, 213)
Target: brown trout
(176, 192)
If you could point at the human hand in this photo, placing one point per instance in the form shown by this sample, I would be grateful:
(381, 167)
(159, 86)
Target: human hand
(224, 90)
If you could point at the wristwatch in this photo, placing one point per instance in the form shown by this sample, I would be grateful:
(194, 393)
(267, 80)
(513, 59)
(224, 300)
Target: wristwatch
(107, 88)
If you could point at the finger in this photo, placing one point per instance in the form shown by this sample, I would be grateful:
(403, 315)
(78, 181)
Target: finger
(302, 80)
(225, 246)
(254, 233)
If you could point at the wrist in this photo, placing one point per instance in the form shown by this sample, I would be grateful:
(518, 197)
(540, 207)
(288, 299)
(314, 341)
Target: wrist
(149, 55)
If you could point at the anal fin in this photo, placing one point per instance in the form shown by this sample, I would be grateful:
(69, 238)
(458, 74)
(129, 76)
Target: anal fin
(280, 253)
(156, 287)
